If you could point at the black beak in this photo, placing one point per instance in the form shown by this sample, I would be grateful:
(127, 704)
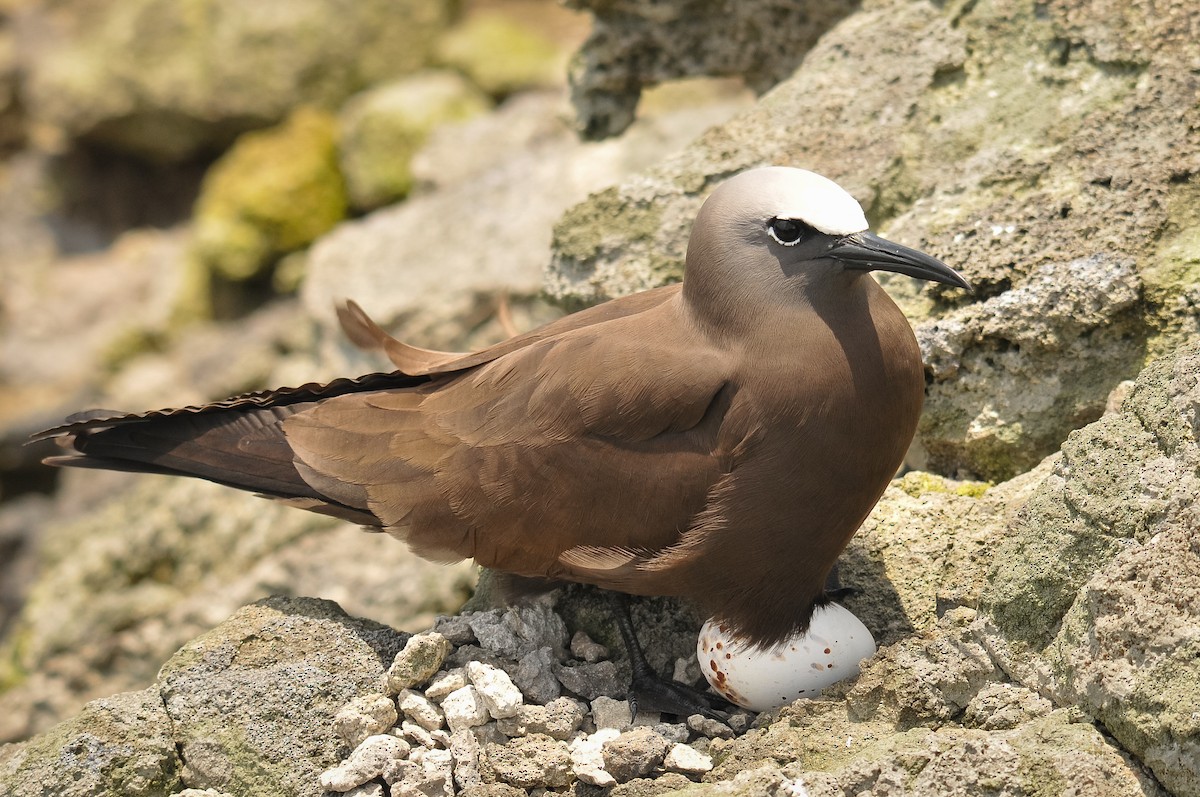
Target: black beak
(862, 250)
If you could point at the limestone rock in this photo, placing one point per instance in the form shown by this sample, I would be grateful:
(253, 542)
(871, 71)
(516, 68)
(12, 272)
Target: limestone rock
(366, 715)
(638, 44)
(117, 745)
(381, 129)
(274, 192)
(169, 81)
(422, 656)
(240, 696)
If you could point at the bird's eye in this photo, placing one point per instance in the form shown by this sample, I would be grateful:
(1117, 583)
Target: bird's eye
(788, 232)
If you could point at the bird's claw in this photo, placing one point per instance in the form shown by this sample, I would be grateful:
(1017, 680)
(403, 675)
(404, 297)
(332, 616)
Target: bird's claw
(671, 697)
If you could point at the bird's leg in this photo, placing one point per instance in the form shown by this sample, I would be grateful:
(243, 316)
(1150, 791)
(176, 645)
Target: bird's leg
(646, 686)
(834, 589)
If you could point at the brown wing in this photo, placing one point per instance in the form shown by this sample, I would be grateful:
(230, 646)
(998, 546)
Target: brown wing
(563, 450)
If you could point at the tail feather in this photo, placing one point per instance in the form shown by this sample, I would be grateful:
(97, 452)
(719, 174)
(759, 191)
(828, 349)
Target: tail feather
(238, 442)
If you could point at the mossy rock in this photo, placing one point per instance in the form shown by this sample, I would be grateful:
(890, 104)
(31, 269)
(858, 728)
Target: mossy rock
(274, 192)
(500, 55)
(381, 129)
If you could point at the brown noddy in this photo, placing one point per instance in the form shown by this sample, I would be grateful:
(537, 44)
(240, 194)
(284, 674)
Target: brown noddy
(719, 440)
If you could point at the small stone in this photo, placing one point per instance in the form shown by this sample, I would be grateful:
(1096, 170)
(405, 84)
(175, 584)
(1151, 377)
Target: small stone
(465, 750)
(416, 734)
(456, 629)
(380, 756)
(464, 708)
(684, 760)
(366, 715)
(687, 670)
(558, 719)
(709, 727)
(675, 733)
(490, 733)
(441, 738)
(647, 719)
(421, 658)
(493, 790)
(610, 713)
(634, 754)
(434, 777)
(531, 761)
(367, 790)
(519, 629)
(499, 694)
(417, 708)
(587, 762)
(590, 681)
(534, 676)
(583, 647)
(739, 721)
(446, 682)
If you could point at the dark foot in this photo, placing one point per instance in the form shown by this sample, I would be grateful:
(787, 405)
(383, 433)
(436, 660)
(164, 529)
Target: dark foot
(650, 691)
(834, 590)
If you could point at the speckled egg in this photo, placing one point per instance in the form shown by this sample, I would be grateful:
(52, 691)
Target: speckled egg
(802, 666)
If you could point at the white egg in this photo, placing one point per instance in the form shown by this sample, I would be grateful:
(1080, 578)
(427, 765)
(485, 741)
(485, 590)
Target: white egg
(802, 666)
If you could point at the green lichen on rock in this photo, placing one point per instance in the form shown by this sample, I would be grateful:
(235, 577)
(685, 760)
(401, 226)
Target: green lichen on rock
(917, 483)
(608, 221)
(275, 191)
(500, 55)
(381, 129)
(172, 79)
(120, 745)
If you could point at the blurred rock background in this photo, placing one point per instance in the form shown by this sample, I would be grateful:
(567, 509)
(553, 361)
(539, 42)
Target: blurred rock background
(187, 187)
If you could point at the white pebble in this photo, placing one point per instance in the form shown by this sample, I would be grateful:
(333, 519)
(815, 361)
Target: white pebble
(464, 708)
(417, 708)
(446, 682)
(366, 715)
(378, 756)
(416, 734)
(687, 760)
(499, 693)
(587, 762)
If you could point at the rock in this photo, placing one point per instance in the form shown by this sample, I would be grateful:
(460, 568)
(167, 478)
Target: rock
(418, 708)
(118, 745)
(502, 56)
(519, 630)
(583, 647)
(167, 86)
(630, 48)
(445, 682)
(434, 779)
(496, 689)
(634, 754)
(381, 129)
(366, 715)
(531, 761)
(417, 734)
(610, 713)
(534, 676)
(558, 719)
(709, 728)
(456, 629)
(236, 728)
(464, 708)
(587, 762)
(422, 656)
(381, 756)
(465, 750)
(687, 761)
(591, 681)
(274, 192)
(1000, 706)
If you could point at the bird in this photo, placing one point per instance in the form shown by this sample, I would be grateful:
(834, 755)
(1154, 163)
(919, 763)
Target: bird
(719, 439)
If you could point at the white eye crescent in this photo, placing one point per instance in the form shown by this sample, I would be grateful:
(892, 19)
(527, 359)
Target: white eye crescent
(788, 232)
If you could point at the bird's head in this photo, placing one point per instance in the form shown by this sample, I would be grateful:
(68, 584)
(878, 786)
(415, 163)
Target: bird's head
(783, 229)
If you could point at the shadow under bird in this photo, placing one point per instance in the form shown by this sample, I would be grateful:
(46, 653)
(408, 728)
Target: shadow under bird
(720, 440)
